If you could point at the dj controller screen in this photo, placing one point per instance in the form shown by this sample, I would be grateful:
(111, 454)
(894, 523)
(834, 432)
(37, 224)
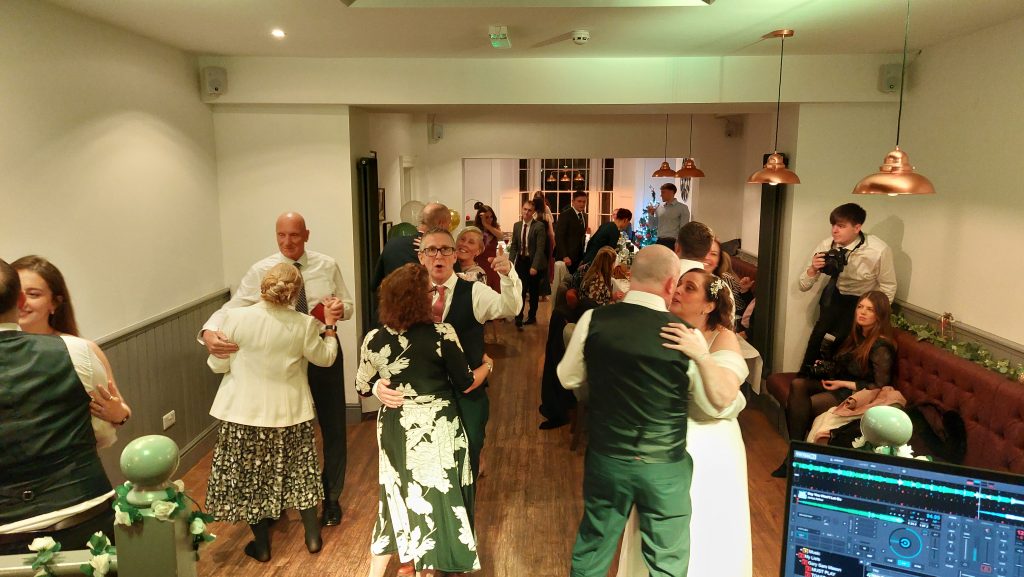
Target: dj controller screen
(857, 514)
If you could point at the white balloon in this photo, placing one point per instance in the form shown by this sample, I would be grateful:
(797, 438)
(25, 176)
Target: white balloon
(411, 212)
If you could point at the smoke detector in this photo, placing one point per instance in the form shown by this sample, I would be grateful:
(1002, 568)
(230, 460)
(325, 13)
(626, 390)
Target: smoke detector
(580, 37)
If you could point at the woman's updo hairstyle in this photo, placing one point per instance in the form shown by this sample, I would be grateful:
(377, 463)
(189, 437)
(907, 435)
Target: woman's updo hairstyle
(717, 291)
(281, 284)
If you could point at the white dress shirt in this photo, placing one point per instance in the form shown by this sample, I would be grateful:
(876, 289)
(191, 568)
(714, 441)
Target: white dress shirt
(92, 374)
(321, 277)
(488, 304)
(686, 265)
(266, 384)
(572, 370)
(869, 267)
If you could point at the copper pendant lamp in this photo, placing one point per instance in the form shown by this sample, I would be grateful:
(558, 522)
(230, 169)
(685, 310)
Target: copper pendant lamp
(774, 171)
(665, 171)
(551, 177)
(689, 169)
(578, 177)
(897, 176)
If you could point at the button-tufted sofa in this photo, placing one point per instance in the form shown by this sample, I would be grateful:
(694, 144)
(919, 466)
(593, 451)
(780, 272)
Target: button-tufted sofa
(992, 406)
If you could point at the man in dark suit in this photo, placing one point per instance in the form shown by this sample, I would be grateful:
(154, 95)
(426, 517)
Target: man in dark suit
(608, 233)
(529, 252)
(571, 231)
(402, 250)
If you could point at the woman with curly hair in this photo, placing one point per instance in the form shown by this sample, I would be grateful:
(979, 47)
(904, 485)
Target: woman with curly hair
(425, 510)
(265, 459)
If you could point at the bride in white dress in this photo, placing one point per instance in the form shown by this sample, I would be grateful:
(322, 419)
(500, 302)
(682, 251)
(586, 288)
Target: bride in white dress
(720, 542)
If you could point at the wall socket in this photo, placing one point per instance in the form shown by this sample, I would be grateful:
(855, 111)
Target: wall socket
(169, 419)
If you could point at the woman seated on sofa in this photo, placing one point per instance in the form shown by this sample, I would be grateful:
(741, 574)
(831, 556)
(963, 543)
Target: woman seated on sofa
(866, 360)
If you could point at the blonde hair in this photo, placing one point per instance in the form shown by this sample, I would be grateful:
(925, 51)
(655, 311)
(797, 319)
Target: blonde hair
(470, 229)
(281, 284)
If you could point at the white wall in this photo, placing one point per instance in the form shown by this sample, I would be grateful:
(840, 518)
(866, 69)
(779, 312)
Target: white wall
(523, 135)
(108, 165)
(963, 127)
(278, 159)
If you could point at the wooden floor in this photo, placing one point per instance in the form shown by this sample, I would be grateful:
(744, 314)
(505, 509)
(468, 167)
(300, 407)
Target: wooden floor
(528, 502)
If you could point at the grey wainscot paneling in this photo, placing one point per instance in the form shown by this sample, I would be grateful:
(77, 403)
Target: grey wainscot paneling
(159, 367)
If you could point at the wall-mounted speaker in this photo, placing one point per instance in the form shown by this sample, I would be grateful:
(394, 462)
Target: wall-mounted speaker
(213, 81)
(889, 77)
(435, 132)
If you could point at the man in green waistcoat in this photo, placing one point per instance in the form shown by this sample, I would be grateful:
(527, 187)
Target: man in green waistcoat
(51, 479)
(638, 405)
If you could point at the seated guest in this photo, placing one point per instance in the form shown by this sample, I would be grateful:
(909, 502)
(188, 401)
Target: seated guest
(425, 507)
(48, 311)
(468, 245)
(265, 459)
(608, 233)
(692, 244)
(866, 360)
(719, 264)
(595, 290)
(720, 542)
(51, 480)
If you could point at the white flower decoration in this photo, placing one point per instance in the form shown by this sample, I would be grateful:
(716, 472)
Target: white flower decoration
(179, 485)
(103, 539)
(100, 564)
(120, 517)
(40, 544)
(197, 526)
(163, 509)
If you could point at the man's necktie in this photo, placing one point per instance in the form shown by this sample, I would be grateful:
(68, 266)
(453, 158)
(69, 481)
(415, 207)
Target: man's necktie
(526, 248)
(580, 214)
(832, 287)
(437, 309)
(301, 304)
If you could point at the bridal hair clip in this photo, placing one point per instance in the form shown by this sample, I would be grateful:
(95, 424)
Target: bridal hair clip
(715, 286)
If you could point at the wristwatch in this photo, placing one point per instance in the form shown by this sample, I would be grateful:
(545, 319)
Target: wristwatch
(331, 328)
(490, 367)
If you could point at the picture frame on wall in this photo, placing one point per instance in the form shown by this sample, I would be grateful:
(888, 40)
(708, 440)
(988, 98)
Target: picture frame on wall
(385, 228)
(380, 199)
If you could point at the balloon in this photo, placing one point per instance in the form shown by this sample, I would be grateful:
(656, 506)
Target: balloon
(886, 426)
(410, 212)
(456, 220)
(402, 229)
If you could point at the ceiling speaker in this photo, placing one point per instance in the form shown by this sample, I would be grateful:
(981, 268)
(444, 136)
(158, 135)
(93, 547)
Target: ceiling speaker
(889, 77)
(213, 81)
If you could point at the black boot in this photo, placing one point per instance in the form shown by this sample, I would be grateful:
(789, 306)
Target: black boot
(782, 471)
(312, 526)
(259, 547)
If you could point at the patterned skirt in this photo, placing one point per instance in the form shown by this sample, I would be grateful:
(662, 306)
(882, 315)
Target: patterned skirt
(259, 471)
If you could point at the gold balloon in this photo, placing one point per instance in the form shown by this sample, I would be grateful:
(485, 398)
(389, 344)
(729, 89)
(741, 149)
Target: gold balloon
(456, 220)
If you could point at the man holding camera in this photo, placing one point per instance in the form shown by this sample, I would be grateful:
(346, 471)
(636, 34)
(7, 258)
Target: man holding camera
(855, 264)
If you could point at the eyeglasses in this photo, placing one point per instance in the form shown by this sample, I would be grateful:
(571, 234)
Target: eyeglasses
(434, 251)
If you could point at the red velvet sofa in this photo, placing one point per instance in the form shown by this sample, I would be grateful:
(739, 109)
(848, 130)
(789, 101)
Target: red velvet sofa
(991, 405)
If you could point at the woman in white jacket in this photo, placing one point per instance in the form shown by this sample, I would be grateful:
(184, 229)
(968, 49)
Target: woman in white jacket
(265, 459)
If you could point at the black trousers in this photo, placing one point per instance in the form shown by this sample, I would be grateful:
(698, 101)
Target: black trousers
(555, 400)
(835, 319)
(328, 387)
(71, 537)
(531, 285)
(667, 241)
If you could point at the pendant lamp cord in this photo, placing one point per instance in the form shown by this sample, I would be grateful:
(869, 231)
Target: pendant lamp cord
(903, 73)
(690, 153)
(666, 138)
(778, 101)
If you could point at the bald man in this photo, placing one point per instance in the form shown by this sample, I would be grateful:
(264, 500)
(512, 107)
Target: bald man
(402, 250)
(636, 453)
(321, 279)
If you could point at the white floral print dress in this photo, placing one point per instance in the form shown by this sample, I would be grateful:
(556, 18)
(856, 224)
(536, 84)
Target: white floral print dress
(426, 484)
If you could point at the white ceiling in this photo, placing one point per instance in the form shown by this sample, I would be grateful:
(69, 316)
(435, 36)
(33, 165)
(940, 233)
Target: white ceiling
(329, 28)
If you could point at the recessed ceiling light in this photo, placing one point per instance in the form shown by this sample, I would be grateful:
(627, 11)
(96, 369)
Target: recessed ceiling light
(277, 33)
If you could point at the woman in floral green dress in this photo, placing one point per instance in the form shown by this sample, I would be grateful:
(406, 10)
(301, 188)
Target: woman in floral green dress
(426, 485)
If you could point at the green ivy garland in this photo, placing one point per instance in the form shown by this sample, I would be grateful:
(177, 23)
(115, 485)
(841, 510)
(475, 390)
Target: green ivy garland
(966, 350)
(127, 514)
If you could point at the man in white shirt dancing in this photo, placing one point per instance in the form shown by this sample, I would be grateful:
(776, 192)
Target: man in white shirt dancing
(322, 279)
